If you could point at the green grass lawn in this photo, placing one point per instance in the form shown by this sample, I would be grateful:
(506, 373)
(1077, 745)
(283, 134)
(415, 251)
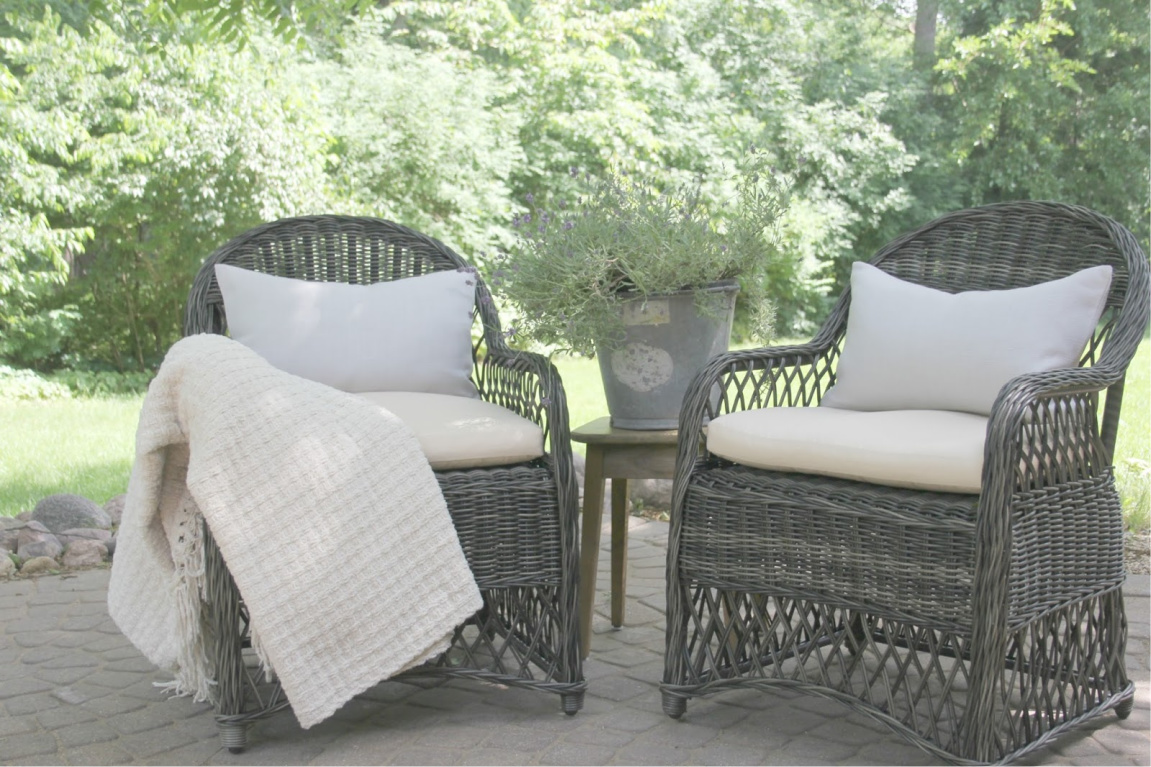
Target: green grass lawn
(82, 446)
(85, 446)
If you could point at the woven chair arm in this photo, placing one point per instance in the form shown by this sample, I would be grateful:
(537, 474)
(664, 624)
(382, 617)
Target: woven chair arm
(1043, 447)
(1044, 429)
(530, 386)
(748, 379)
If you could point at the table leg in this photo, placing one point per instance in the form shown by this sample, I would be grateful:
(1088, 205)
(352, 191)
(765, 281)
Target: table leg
(589, 542)
(619, 529)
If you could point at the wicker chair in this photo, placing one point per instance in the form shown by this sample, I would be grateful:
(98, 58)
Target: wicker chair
(977, 626)
(516, 523)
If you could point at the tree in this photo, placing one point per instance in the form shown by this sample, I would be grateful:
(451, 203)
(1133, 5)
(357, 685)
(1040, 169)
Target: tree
(155, 158)
(417, 139)
(926, 16)
(1047, 99)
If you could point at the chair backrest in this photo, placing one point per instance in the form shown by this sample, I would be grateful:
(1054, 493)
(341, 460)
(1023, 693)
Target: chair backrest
(1017, 244)
(350, 249)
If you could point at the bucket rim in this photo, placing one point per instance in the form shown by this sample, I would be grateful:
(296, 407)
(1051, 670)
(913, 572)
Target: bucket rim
(719, 286)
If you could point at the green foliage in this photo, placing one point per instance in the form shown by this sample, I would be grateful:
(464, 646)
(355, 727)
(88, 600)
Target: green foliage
(24, 384)
(1047, 99)
(18, 384)
(418, 140)
(136, 136)
(573, 265)
(37, 340)
(158, 158)
(234, 22)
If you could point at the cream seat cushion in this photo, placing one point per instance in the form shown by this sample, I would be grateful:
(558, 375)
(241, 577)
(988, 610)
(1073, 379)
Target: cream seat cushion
(462, 432)
(924, 449)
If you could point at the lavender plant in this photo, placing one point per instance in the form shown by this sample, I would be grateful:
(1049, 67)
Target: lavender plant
(573, 265)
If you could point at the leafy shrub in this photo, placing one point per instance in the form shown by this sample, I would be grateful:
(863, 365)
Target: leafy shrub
(34, 340)
(99, 383)
(26, 385)
(18, 384)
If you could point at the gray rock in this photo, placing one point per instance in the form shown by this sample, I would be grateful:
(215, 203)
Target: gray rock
(115, 508)
(7, 568)
(110, 544)
(84, 553)
(24, 516)
(9, 533)
(83, 534)
(66, 511)
(37, 565)
(46, 548)
(654, 494)
(35, 540)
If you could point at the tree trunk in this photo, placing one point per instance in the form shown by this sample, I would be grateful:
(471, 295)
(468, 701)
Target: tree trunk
(926, 13)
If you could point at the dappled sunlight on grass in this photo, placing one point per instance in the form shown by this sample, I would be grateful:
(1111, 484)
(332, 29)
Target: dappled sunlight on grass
(82, 446)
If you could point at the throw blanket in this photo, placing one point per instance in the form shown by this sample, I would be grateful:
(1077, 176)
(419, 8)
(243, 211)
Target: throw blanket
(325, 509)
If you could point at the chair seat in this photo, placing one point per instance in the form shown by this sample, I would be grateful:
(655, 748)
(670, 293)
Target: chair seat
(462, 432)
(924, 449)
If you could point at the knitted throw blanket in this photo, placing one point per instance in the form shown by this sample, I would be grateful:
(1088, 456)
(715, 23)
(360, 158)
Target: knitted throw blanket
(324, 508)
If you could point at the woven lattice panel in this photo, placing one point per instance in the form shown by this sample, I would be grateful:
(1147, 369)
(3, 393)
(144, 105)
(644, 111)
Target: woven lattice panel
(915, 680)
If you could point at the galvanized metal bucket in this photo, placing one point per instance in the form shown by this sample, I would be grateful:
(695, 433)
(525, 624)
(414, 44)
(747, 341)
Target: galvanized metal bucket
(668, 338)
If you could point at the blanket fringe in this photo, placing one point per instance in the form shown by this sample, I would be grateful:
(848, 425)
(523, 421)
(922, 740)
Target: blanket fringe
(193, 670)
(258, 648)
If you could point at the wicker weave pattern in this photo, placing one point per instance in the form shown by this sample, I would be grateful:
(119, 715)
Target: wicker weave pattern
(517, 524)
(979, 627)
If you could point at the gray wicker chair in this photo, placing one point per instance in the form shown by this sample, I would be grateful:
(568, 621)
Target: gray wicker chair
(517, 523)
(977, 626)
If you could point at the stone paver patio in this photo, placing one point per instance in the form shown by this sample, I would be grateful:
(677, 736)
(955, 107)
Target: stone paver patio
(73, 690)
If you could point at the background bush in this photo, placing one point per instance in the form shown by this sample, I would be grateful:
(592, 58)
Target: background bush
(136, 136)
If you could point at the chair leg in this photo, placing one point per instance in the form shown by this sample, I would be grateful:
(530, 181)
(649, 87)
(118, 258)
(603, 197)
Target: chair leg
(234, 737)
(223, 610)
(674, 705)
(572, 702)
(1123, 710)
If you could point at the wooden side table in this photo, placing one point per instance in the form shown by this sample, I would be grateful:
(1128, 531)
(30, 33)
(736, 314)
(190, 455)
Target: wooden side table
(619, 455)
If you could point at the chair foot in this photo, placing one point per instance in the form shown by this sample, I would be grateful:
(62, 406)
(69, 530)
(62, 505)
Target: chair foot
(234, 737)
(674, 705)
(1123, 710)
(572, 702)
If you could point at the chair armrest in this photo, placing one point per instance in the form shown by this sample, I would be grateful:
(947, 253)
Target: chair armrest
(749, 379)
(753, 378)
(1044, 429)
(530, 386)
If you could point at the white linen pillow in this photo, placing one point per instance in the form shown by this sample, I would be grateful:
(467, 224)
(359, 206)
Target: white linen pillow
(412, 334)
(913, 347)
